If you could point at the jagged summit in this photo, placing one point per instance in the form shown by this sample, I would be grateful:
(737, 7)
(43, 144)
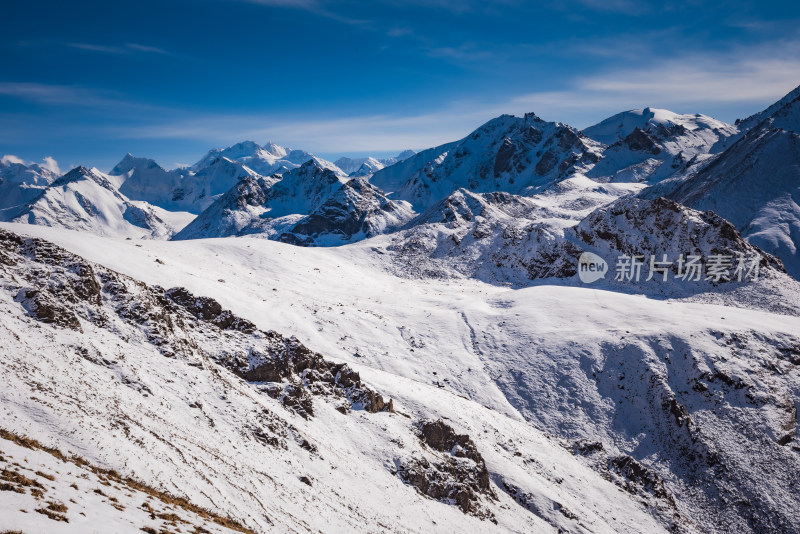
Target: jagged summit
(507, 153)
(82, 173)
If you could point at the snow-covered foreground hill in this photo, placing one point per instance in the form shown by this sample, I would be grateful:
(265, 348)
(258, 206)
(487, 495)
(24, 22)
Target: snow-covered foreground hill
(593, 411)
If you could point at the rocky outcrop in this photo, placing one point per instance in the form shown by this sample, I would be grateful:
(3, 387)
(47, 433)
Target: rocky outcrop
(455, 471)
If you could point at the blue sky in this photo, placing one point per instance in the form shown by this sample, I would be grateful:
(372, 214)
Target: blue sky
(86, 82)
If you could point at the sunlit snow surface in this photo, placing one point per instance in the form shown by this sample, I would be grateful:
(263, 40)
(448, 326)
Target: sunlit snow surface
(508, 367)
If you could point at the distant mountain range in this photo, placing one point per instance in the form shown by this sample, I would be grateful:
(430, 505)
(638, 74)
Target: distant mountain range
(748, 173)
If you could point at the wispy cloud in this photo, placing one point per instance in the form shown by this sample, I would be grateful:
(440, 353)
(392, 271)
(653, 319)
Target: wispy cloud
(70, 96)
(49, 94)
(316, 7)
(627, 7)
(467, 52)
(697, 81)
(127, 48)
(375, 132)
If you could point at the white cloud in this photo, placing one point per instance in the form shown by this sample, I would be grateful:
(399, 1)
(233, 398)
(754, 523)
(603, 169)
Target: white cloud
(45, 93)
(10, 159)
(51, 164)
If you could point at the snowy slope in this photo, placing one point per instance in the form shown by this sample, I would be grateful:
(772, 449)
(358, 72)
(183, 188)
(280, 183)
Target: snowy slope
(87, 200)
(701, 397)
(175, 391)
(46, 491)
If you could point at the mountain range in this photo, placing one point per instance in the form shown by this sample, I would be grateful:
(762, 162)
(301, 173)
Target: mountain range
(266, 341)
(745, 172)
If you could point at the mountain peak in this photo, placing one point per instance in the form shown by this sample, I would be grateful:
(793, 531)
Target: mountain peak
(129, 161)
(80, 173)
(619, 126)
(314, 165)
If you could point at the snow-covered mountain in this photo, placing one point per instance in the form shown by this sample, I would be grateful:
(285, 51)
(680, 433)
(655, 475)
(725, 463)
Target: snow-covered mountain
(357, 210)
(511, 154)
(21, 181)
(755, 183)
(308, 205)
(510, 240)
(265, 160)
(188, 189)
(195, 188)
(652, 144)
(369, 165)
(88, 200)
(785, 113)
(144, 179)
(437, 362)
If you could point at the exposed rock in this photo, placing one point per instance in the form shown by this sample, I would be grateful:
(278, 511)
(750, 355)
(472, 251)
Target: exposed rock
(209, 310)
(456, 473)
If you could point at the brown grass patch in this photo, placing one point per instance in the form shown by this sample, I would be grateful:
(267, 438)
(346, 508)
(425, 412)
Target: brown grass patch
(51, 478)
(18, 478)
(57, 507)
(131, 483)
(52, 515)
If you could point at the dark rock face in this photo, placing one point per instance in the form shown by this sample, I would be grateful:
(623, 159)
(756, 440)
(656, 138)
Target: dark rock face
(639, 478)
(44, 306)
(639, 140)
(458, 473)
(547, 163)
(209, 310)
(293, 373)
(502, 162)
(51, 296)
